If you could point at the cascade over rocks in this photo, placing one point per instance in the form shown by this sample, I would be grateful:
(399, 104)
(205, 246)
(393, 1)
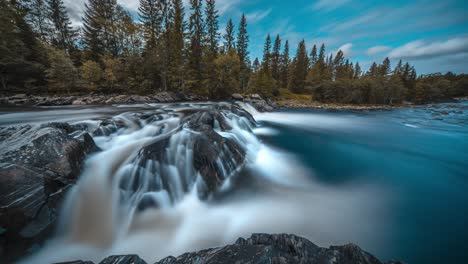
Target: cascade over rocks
(38, 164)
(265, 248)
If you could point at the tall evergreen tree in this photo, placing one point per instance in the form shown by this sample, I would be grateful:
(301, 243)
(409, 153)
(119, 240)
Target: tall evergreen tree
(195, 52)
(256, 65)
(284, 67)
(385, 68)
(229, 36)
(299, 74)
(357, 71)
(64, 34)
(38, 16)
(99, 27)
(151, 13)
(266, 63)
(313, 57)
(243, 53)
(176, 47)
(212, 26)
(276, 58)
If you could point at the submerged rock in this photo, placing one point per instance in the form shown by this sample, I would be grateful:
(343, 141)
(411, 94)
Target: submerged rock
(38, 164)
(264, 248)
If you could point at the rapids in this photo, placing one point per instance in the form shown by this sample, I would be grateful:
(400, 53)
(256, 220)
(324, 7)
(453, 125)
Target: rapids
(331, 177)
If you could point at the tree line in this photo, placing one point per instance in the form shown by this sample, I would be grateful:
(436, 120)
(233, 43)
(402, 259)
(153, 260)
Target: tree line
(161, 50)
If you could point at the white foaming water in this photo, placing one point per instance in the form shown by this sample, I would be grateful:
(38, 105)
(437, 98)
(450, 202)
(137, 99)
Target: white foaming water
(102, 215)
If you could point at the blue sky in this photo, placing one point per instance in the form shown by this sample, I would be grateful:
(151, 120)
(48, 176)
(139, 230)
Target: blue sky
(432, 35)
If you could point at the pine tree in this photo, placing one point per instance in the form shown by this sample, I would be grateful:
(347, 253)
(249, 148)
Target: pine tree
(151, 14)
(256, 65)
(229, 36)
(243, 40)
(211, 44)
(99, 28)
(385, 68)
(64, 34)
(266, 63)
(299, 74)
(212, 26)
(38, 16)
(284, 68)
(195, 50)
(176, 61)
(357, 71)
(313, 57)
(243, 52)
(276, 58)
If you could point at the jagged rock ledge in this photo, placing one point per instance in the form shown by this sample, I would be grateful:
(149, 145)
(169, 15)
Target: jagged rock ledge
(262, 105)
(97, 99)
(260, 249)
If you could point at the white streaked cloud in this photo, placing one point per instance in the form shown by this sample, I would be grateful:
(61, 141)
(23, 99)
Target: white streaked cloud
(423, 49)
(329, 5)
(377, 50)
(257, 16)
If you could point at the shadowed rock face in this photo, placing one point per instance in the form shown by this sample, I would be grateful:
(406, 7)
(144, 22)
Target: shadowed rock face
(263, 249)
(38, 164)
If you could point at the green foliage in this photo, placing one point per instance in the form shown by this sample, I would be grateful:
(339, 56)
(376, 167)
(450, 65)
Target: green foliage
(61, 71)
(229, 36)
(39, 49)
(228, 67)
(92, 72)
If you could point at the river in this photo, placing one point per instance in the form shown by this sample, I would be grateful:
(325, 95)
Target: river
(393, 182)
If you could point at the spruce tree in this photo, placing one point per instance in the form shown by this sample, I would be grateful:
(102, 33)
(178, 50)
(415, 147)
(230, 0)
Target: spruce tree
(176, 47)
(64, 34)
(266, 63)
(195, 49)
(99, 28)
(313, 57)
(151, 13)
(276, 58)
(38, 17)
(299, 73)
(243, 40)
(284, 67)
(211, 43)
(229, 37)
(212, 26)
(357, 71)
(243, 52)
(256, 65)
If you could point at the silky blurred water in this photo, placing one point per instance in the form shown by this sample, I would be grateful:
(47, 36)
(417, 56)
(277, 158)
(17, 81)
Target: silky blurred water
(393, 182)
(418, 158)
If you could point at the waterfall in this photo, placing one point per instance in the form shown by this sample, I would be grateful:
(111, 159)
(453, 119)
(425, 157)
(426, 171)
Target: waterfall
(167, 182)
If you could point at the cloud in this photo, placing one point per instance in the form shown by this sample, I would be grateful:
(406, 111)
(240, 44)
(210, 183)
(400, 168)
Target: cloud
(329, 5)
(257, 16)
(347, 49)
(422, 49)
(377, 50)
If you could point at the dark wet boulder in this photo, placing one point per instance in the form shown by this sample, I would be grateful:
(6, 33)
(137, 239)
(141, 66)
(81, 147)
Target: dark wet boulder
(280, 249)
(133, 259)
(38, 164)
(214, 157)
(237, 97)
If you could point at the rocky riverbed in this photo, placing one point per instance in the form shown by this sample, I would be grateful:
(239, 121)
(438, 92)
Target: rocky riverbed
(260, 249)
(176, 149)
(263, 105)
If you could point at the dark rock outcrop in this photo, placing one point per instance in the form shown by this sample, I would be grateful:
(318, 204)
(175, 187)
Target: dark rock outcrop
(98, 99)
(215, 157)
(263, 249)
(38, 164)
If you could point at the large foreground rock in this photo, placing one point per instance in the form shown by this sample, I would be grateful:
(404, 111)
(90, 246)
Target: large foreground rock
(265, 249)
(38, 164)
